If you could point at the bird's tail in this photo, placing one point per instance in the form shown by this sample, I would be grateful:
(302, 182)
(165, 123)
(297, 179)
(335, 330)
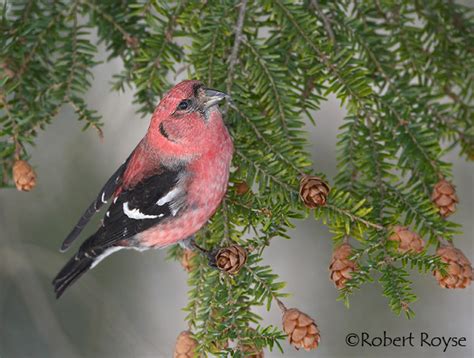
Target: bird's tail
(75, 268)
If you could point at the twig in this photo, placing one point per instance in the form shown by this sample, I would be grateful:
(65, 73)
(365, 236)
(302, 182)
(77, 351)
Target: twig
(74, 55)
(16, 130)
(27, 59)
(354, 217)
(378, 172)
(81, 112)
(281, 305)
(226, 221)
(181, 70)
(266, 173)
(292, 190)
(235, 49)
(326, 23)
(265, 141)
(278, 100)
(126, 36)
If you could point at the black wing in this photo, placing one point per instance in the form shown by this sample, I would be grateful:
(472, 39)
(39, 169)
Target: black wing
(148, 203)
(105, 194)
(134, 210)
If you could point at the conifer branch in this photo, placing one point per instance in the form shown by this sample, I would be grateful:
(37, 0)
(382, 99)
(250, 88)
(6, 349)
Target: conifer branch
(278, 61)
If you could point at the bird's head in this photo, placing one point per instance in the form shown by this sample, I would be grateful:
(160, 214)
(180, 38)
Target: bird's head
(187, 118)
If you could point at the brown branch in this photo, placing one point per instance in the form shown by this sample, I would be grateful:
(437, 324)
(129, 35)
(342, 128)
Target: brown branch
(27, 59)
(269, 175)
(74, 55)
(226, 221)
(281, 305)
(278, 100)
(129, 39)
(354, 218)
(326, 23)
(16, 129)
(235, 49)
(80, 112)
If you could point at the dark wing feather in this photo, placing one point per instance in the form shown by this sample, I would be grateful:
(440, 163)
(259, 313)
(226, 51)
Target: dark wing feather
(136, 209)
(105, 194)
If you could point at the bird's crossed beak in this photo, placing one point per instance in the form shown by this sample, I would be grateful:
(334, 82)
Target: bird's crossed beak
(213, 97)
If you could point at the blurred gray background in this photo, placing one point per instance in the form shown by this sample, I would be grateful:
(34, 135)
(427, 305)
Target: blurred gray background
(130, 305)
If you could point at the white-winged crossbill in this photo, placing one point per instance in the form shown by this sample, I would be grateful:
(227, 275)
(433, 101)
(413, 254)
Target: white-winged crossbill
(167, 189)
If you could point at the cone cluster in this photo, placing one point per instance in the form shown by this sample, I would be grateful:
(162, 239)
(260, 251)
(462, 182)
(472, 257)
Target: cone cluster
(407, 240)
(185, 346)
(231, 259)
(444, 197)
(314, 191)
(24, 176)
(341, 267)
(186, 260)
(301, 329)
(459, 270)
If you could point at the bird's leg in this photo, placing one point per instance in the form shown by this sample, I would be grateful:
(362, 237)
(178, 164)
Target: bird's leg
(190, 244)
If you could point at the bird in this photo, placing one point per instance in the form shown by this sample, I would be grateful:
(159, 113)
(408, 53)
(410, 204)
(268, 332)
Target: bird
(167, 189)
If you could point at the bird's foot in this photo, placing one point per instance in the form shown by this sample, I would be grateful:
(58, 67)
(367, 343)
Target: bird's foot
(209, 255)
(190, 244)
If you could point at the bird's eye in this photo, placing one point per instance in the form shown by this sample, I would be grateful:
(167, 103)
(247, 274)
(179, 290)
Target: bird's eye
(184, 104)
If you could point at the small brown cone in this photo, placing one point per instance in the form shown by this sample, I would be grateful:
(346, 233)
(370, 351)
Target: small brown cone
(444, 197)
(7, 72)
(185, 346)
(241, 188)
(219, 346)
(408, 241)
(24, 176)
(231, 259)
(186, 259)
(470, 156)
(341, 267)
(314, 191)
(459, 270)
(252, 351)
(267, 212)
(131, 41)
(301, 329)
